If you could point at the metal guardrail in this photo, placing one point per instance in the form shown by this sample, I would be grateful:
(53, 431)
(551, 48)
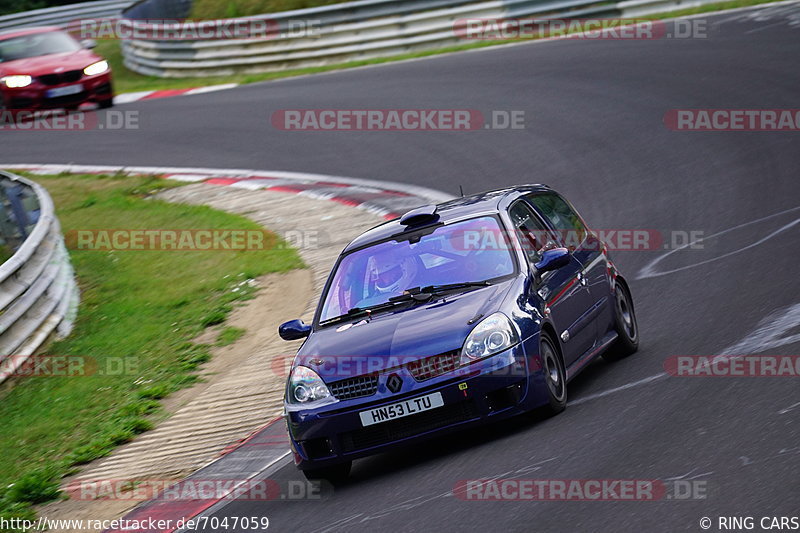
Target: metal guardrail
(62, 15)
(38, 292)
(357, 30)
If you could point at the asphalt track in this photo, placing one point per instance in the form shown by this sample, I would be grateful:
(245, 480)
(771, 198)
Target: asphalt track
(594, 131)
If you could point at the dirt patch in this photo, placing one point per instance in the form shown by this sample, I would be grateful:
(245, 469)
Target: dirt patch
(280, 297)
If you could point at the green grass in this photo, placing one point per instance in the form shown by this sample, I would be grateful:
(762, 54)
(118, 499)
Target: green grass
(5, 253)
(708, 8)
(128, 81)
(229, 335)
(216, 9)
(139, 309)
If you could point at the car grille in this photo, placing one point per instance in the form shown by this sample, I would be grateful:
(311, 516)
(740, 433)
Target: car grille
(69, 99)
(430, 367)
(357, 387)
(63, 77)
(421, 370)
(401, 428)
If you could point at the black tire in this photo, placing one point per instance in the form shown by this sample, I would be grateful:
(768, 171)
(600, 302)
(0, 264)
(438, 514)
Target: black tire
(105, 104)
(553, 366)
(335, 474)
(625, 324)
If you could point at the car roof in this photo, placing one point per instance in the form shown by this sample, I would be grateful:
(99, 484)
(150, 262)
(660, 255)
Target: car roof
(488, 202)
(28, 31)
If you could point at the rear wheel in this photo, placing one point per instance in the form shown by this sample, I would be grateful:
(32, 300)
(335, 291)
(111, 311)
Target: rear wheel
(554, 376)
(625, 324)
(335, 473)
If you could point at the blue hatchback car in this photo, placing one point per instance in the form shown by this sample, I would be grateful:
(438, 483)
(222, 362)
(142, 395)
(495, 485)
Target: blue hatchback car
(455, 314)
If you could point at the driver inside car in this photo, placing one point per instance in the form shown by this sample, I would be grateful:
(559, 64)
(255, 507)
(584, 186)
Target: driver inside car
(392, 273)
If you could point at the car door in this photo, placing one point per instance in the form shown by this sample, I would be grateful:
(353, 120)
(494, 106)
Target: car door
(566, 298)
(585, 247)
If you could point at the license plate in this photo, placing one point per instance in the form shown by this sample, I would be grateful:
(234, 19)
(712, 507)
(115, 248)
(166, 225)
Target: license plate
(65, 91)
(401, 409)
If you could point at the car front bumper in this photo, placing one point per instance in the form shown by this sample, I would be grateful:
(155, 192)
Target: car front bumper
(34, 97)
(500, 386)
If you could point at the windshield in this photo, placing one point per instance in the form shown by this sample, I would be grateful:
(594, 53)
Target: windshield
(37, 44)
(372, 275)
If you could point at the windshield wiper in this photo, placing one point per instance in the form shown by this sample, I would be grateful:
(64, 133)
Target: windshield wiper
(356, 312)
(435, 289)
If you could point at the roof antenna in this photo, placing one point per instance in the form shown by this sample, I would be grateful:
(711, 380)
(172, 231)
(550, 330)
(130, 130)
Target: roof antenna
(461, 189)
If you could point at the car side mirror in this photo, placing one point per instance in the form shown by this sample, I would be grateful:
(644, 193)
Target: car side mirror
(88, 43)
(552, 259)
(293, 330)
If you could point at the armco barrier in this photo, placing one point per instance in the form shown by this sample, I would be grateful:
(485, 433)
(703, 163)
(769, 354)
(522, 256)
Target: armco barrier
(354, 31)
(62, 15)
(38, 292)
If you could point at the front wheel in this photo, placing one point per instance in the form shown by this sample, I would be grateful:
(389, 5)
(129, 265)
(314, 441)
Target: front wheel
(625, 324)
(554, 376)
(335, 473)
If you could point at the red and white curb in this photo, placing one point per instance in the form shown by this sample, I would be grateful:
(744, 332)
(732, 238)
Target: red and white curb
(384, 198)
(126, 98)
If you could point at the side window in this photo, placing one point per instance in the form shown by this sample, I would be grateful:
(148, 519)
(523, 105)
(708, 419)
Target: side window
(561, 216)
(533, 236)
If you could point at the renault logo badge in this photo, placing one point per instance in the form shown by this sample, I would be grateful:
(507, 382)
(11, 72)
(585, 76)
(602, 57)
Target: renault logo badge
(394, 383)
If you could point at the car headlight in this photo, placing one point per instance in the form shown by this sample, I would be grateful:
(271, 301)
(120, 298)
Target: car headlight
(492, 335)
(17, 80)
(306, 388)
(96, 68)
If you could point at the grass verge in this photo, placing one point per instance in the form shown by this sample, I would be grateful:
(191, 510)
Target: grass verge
(229, 335)
(128, 81)
(217, 9)
(5, 253)
(139, 312)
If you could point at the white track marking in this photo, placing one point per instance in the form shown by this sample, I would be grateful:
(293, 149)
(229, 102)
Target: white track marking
(212, 88)
(131, 97)
(685, 476)
(768, 26)
(790, 408)
(649, 270)
(632, 384)
(767, 335)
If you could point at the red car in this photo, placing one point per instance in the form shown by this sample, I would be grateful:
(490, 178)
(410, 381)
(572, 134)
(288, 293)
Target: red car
(46, 68)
